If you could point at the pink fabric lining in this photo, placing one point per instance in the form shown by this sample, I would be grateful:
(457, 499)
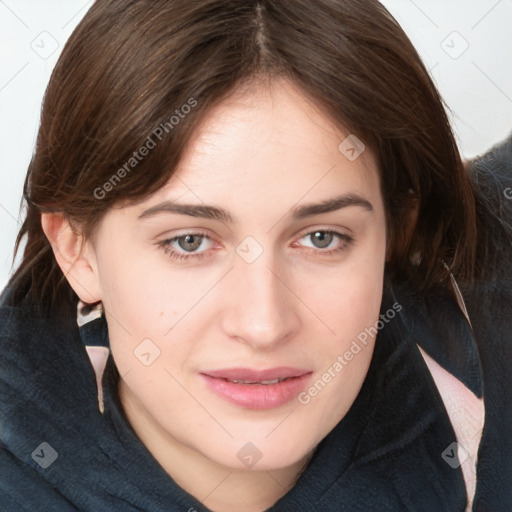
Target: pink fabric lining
(467, 414)
(98, 357)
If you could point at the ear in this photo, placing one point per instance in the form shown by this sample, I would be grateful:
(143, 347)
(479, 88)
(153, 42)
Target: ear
(75, 257)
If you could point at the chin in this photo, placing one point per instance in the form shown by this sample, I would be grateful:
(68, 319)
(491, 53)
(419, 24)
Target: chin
(260, 454)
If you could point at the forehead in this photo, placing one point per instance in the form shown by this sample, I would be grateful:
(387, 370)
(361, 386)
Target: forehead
(270, 143)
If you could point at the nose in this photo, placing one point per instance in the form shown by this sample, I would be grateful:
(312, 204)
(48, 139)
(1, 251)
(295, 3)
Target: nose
(260, 308)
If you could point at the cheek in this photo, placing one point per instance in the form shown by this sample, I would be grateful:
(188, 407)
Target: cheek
(351, 307)
(146, 294)
(348, 297)
(132, 287)
(133, 308)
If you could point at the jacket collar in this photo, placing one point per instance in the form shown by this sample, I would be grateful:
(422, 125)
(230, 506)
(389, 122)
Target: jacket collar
(440, 327)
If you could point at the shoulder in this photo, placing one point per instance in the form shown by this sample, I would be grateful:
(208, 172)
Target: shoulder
(48, 394)
(489, 302)
(491, 176)
(494, 166)
(45, 374)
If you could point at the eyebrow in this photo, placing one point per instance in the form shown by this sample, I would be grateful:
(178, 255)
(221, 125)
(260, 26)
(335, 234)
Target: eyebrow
(222, 215)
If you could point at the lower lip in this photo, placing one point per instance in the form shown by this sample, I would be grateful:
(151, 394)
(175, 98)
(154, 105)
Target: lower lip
(258, 396)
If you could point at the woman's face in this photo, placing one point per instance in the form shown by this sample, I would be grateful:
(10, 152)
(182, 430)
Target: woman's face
(247, 283)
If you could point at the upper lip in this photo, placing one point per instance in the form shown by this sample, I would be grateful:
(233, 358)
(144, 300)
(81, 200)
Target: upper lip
(255, 375)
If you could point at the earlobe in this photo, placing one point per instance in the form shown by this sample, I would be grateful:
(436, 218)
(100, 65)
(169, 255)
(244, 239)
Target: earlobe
(75, 257)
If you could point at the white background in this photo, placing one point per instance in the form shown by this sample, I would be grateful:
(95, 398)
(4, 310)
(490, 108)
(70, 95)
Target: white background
(467, 45)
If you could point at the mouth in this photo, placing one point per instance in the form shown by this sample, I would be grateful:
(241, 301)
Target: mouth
(257, 389)
(266, 382)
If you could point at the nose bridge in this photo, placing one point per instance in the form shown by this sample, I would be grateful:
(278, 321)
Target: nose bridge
(260, 310)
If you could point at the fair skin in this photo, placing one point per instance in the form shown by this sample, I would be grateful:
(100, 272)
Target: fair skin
(259, 154)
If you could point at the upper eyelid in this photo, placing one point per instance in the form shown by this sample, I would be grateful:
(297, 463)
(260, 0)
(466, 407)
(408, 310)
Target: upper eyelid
(337, 231)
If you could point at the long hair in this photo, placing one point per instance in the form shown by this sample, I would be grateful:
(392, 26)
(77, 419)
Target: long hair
(141, 70)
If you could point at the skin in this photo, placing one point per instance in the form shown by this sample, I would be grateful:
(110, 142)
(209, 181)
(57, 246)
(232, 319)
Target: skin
(259, 154)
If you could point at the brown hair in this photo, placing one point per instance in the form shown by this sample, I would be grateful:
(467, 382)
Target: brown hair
(129, 66)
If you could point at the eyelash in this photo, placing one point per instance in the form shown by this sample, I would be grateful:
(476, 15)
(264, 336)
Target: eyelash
(167, 244)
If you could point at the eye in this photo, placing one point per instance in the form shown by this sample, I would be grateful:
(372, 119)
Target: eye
(323, 238)
(184, 246)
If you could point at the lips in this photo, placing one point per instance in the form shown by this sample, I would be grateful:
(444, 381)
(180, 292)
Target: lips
(257, 389)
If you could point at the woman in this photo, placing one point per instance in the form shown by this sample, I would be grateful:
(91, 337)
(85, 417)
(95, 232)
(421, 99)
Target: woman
(260, 214)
